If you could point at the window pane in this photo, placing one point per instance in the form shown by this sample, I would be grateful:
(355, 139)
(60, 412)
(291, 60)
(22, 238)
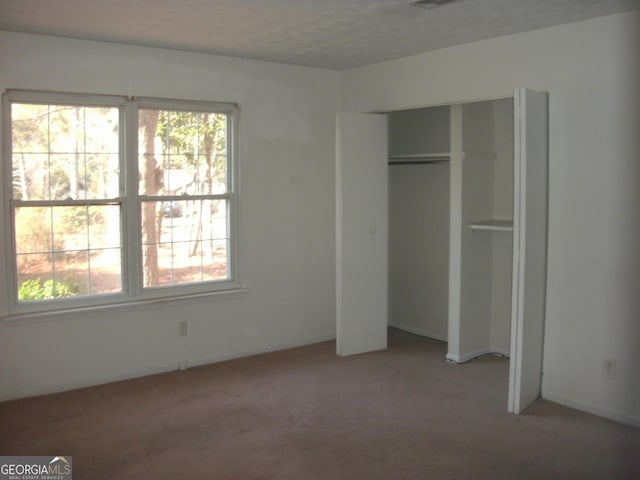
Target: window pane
(40, 279)
(182, 152)
(70, 228)
(187, 244)
(71, 273)
(217, 270)
(35, 277)
(71, 269)
(104, 271)
(34, 266)
(67, 251)
(81, 176)
(34, 233)
(85, 227)
(62, 151)
(102, 176)
(29, 128)
(30, 176)
(104, 227)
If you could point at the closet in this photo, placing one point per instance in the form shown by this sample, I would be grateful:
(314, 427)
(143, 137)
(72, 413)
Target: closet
(441, 230)
(451, 208)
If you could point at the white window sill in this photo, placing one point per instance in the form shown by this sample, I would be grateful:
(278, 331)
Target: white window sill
(29, 318)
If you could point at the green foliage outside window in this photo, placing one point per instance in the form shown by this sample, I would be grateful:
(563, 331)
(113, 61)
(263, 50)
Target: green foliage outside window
(38, 290)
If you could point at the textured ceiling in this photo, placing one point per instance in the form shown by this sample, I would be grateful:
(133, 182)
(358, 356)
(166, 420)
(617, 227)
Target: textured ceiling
(334, 34)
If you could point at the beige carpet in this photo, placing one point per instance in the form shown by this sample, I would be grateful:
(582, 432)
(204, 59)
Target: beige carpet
(304, 413)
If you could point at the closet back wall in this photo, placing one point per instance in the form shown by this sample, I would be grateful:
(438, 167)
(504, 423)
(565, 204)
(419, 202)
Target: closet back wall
(419, 223)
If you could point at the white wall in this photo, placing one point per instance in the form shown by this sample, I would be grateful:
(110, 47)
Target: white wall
(591, 71)
(287, 228)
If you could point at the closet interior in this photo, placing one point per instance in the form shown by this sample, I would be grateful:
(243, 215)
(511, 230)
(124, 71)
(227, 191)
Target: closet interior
(451, 177)
(419, 164)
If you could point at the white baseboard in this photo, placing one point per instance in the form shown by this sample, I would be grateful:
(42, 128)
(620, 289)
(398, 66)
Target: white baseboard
(270, 348)
(471, 355)
(77, 383)
(614, 415)
(420, 331)
(501, 351)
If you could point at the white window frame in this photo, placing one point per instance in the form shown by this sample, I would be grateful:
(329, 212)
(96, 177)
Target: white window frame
(130, 199)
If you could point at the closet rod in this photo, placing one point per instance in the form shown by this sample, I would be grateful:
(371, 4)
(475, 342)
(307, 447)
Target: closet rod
(418, 162)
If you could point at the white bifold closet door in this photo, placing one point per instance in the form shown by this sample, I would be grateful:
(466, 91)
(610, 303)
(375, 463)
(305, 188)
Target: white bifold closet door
(361, 211)
(529, 248)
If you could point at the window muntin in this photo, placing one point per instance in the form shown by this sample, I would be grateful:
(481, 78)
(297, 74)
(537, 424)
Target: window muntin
(83, 232)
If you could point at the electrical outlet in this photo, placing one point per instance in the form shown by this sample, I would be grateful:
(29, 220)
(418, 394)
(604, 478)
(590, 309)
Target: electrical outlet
(182, 328)
(609, 367)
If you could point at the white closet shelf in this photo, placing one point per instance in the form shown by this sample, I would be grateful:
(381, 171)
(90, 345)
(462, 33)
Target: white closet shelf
(419, 158)
(492, 224)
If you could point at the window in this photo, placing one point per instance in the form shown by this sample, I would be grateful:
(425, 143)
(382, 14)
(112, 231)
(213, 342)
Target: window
(114, 199)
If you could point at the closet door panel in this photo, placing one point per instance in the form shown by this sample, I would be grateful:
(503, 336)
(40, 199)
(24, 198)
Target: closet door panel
(530, 242)
(361, 201)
